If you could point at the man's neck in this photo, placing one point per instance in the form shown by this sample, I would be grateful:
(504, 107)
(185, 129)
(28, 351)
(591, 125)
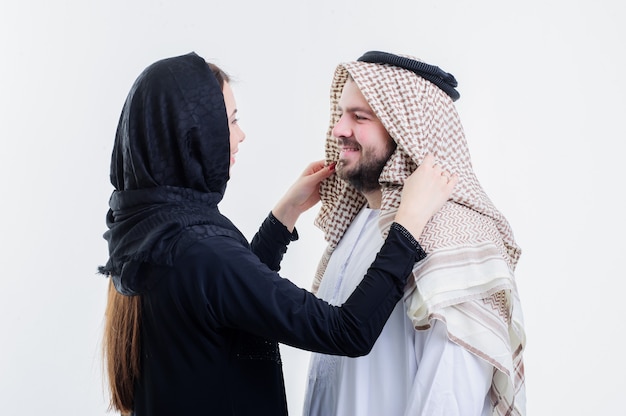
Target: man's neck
(374, 198)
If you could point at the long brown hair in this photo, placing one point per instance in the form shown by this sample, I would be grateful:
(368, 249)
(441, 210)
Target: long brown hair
(122, 347)
(122, 329)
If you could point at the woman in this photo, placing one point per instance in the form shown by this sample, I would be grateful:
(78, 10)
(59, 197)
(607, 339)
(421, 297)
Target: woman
(195, 313)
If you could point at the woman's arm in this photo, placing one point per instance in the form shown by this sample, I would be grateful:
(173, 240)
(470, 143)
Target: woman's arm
(238, 291)
(278, 228)
(270, 242)
(248, 296)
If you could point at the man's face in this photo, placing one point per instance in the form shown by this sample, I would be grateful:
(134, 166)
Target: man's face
(364, 143)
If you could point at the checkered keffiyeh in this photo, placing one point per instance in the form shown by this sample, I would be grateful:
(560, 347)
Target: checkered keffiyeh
(467, 281)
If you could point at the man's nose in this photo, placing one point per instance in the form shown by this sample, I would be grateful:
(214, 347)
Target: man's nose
(341, 128)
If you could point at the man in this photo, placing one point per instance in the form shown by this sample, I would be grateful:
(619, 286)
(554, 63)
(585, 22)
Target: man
(454, 345)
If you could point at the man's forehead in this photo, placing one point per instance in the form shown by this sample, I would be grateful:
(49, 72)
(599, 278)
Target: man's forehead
(351, 96)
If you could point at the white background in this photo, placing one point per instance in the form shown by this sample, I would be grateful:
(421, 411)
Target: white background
(542, 102)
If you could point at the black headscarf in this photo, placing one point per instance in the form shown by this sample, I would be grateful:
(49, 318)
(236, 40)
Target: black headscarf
(169, 167)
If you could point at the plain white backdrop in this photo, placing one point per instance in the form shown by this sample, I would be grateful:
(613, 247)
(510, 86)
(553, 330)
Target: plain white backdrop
(542, 102)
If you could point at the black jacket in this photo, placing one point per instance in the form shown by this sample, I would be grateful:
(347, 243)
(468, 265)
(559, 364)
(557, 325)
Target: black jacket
(211, 323)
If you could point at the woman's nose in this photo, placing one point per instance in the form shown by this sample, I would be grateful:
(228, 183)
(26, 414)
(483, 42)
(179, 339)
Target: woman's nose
(242, 135)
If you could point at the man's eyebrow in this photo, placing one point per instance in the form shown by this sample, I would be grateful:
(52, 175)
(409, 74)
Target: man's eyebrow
(354, 109)
(233, 113)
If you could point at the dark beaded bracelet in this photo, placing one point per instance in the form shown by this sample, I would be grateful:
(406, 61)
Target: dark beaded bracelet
(420, 253)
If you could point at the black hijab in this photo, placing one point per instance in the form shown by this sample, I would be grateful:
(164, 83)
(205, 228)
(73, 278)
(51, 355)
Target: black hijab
(169, 167)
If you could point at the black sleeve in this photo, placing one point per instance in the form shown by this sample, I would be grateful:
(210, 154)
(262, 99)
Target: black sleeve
(245, 294)
(270, 242)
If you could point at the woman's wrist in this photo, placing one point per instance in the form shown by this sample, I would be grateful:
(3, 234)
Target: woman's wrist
(411, 222)
(286, 215)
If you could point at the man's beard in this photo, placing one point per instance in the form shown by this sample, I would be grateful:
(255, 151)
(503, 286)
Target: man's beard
(364, 175)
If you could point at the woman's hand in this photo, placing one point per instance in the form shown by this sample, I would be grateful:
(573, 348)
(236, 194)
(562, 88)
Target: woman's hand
(303, 194)
(424, 193)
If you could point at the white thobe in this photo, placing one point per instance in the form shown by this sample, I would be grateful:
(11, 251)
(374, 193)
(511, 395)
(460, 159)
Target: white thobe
(408, 372)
